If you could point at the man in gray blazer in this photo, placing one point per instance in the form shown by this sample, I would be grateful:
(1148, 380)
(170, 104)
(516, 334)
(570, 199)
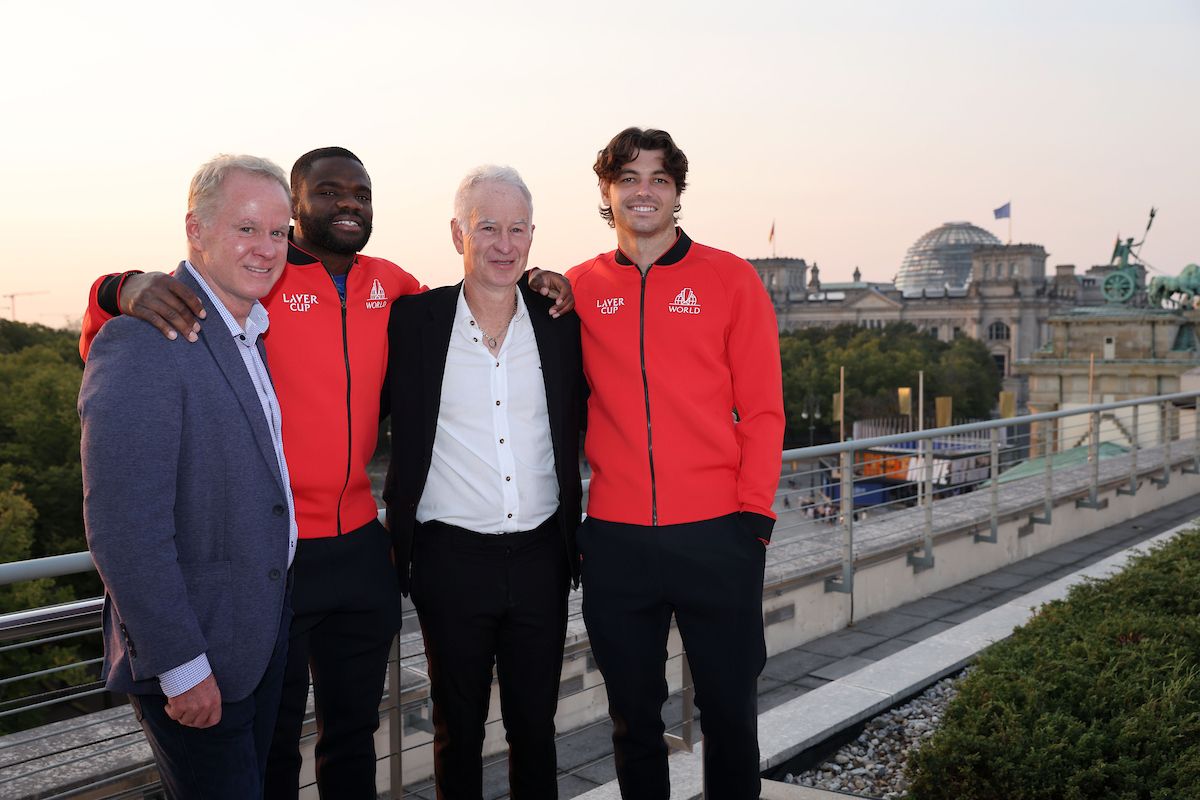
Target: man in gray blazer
(187, 504)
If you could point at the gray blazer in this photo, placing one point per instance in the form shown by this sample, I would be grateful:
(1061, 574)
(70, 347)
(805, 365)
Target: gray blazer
(184, 508)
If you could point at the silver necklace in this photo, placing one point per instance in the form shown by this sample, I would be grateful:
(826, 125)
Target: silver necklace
(488, 339)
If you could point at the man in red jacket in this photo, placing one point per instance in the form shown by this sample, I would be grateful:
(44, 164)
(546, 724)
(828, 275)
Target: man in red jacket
(685, 436)
(327, 351)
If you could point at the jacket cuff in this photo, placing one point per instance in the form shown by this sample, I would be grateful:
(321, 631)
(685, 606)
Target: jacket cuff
(108, 296)
(758, 525)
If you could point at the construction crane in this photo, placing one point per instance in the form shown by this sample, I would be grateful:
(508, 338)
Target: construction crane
(12, 301)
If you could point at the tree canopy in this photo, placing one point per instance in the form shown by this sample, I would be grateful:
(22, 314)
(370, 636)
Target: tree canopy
(878, 362)
(41, 498)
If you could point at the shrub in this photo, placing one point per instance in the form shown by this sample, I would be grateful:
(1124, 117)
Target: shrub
(1098, 696)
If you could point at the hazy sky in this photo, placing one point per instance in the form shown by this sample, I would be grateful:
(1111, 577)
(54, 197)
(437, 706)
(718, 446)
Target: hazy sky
(855, 126)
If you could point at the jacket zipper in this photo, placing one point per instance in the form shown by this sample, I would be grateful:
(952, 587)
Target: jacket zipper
(349, 415)
(646, 394)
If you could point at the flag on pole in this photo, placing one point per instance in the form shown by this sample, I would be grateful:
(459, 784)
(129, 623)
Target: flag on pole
(1004, 211)
(945, 407)
(1008, 405)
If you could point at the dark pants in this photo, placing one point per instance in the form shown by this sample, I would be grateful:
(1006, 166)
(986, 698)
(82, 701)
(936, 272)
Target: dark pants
(347, 611)
(710, 575)
(486, 599)
(228, 759)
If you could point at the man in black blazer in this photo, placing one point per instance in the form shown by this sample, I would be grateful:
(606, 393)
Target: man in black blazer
(483, 492)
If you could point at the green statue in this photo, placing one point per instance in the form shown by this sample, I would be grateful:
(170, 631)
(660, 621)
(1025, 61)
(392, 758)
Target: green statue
(1164, 287)
(1120, 284)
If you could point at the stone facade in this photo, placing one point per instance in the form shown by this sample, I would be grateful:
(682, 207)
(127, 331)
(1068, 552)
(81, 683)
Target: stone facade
(1138, 352)
(1006, 303)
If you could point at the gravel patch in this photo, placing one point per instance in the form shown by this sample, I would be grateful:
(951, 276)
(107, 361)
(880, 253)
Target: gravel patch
(873, 764)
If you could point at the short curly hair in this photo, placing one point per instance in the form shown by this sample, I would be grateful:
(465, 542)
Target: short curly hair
(626, 146)
(305, 163)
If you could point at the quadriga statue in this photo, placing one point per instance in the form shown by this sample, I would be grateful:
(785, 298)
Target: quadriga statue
(1182, 290)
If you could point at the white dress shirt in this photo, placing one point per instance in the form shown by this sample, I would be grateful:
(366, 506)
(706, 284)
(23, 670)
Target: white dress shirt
(493, 460)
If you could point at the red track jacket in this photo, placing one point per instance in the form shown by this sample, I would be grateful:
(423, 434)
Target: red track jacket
(669, 356)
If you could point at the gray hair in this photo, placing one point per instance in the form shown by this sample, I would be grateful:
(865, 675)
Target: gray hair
(208, 179)
(488, 173)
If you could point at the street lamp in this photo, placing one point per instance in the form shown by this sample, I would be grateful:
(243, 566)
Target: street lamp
(810, 411)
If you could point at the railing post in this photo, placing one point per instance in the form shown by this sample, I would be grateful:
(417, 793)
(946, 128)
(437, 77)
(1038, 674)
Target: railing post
(923, 559)
(686, 740)
(1133, 457)
(1093, 499)
(1048, 451)
(994, 493)
(1164, 438)
(1194, 469)
(845, 582)
(395, 723)
(689, 702)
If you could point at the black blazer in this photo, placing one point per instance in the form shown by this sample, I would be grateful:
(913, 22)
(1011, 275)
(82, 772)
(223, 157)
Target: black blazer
(418, 337)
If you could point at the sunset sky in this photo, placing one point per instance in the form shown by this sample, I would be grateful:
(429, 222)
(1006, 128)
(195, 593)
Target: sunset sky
(855, 126)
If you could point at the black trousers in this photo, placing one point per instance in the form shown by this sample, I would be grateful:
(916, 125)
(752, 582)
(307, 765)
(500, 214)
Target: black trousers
(347, 611)
(708, 574)
(486, 599)
(225, 760)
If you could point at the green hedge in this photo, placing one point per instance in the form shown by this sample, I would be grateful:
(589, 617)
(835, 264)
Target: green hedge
(1098, 696)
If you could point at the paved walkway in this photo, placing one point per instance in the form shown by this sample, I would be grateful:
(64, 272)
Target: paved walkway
(585, 755)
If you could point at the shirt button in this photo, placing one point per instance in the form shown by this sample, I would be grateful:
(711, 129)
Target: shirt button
(510, 516)
(472, 323)
(273, 574)
(501, 441)
(474, 339)
(497, 402)
(277, 511)
(508, 477)
(497, 363)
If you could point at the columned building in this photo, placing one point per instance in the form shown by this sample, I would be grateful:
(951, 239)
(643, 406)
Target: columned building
(956, 280)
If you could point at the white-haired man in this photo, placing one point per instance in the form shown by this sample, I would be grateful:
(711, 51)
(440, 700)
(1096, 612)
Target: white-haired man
(483, 494)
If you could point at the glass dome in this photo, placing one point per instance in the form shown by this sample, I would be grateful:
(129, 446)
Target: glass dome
(942, 257)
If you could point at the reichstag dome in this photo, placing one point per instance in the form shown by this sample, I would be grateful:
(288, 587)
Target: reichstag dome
(941, 259)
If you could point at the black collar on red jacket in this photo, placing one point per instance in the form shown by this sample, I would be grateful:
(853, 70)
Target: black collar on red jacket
(299, 256)
(673, 256)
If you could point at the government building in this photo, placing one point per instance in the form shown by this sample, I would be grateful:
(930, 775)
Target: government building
(956, 280)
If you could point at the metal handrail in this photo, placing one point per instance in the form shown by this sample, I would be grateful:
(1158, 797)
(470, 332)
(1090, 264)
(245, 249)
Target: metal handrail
(984, 425)
(48, 567)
